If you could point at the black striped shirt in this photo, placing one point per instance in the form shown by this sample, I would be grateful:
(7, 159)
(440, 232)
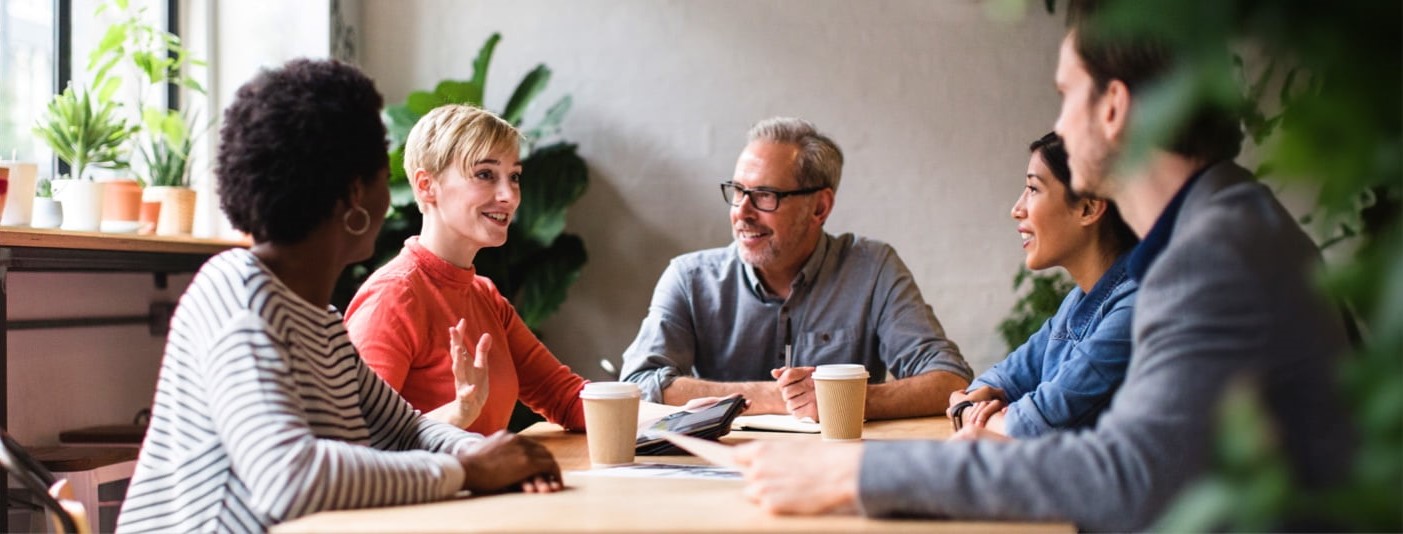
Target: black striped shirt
(264, 412)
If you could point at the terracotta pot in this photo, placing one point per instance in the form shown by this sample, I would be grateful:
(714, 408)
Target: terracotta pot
(121, 206)
(150, 213)
(177, 212)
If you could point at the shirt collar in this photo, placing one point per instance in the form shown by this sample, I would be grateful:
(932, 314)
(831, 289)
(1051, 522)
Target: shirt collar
(1105, 288)
(438, 269)
(1154, 242)
(807, 274)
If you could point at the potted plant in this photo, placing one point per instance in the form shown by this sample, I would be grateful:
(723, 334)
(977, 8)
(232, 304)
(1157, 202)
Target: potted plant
(166, 149)
(86, 130)
(165, 142)
(46, 211)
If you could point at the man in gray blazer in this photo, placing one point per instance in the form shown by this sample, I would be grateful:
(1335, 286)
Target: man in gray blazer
(1226, 297)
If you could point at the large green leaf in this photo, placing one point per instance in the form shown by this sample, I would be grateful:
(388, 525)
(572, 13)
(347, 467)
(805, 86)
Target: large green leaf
(546, 279)
(422, 102)
(399, 120)
(459, 92)
(526, 91)
(552, 178)
(550, 123)
(397, 167)
(483, 60)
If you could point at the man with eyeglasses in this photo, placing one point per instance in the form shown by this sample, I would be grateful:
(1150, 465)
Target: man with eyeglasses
(757, 316)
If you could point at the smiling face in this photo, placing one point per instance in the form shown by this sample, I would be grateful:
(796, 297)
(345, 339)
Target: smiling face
(1047, 223)
(1089, 149)
(778, 241)
(474, 210)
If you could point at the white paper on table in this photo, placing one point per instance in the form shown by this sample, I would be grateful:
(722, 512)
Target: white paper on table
(778, 422)
(709, 472)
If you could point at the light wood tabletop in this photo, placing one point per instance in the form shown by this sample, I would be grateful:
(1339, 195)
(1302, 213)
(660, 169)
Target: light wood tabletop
(592, 503)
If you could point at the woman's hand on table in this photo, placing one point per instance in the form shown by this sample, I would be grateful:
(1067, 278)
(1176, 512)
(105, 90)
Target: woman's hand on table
(506, 461)
(981, 394)
(801, 477)
(987, 414)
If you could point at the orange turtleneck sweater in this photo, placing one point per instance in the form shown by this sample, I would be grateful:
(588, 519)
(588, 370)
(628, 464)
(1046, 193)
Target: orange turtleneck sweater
(399, 323)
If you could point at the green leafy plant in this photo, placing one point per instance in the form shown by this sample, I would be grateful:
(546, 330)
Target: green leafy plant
(167, 149)
(1335, 123)
(1044, 295)
(157, 57)
(540, 261)
(86, 129)
(43, 188)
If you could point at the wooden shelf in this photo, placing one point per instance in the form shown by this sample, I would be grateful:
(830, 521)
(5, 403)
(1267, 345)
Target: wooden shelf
(36, 238)
(28, 249)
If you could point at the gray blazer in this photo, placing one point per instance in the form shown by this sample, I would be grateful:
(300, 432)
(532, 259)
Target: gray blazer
(1231, 297)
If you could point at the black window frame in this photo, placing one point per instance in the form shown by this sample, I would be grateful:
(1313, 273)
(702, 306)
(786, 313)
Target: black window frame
(63, 57)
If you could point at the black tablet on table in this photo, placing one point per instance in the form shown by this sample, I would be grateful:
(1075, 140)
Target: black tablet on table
(708, 423)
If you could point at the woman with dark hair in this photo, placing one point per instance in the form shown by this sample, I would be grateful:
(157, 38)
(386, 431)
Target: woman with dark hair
(263, 410)
(1064, 376)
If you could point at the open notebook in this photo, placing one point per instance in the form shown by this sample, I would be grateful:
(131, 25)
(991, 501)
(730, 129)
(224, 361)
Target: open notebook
(775, 422)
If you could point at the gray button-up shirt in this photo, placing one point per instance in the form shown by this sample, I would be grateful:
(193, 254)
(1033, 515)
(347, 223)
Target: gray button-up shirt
(854, 301)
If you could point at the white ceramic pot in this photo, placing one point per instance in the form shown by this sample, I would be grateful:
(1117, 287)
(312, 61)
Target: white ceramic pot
(47, 213)
(82, 204)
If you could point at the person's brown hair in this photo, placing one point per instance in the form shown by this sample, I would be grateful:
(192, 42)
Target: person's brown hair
(1212, 133)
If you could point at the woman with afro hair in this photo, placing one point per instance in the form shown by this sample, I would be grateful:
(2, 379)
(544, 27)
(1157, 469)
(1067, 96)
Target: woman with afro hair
(264, 412)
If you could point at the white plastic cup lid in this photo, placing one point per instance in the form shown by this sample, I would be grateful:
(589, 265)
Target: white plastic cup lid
(610, 390)
(840, 371)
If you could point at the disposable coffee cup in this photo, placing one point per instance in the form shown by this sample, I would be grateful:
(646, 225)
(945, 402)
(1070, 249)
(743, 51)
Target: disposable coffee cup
(611, 422)
(842, 400)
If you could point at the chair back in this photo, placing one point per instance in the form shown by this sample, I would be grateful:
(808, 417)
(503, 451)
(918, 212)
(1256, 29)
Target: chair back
(38, 480)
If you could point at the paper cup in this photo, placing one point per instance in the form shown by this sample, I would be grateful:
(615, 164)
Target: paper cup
(611, 422)
(842, 400)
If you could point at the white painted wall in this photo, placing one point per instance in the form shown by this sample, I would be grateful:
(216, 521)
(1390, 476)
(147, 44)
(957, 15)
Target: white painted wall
(74, 378)
(932, 102)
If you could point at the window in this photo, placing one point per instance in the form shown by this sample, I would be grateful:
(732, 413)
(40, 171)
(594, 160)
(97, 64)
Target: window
(27, 73)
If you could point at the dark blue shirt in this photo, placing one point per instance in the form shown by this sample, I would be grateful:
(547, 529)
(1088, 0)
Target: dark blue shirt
(1064, 376)
(1154, 242)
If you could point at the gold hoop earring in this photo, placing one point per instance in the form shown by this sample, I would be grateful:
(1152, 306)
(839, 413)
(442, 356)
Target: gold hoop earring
(346, 221)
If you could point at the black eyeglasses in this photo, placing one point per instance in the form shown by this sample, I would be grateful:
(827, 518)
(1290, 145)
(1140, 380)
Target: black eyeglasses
(761, 199)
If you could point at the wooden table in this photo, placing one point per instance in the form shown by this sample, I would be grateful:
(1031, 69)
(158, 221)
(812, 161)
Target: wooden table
(610, 504)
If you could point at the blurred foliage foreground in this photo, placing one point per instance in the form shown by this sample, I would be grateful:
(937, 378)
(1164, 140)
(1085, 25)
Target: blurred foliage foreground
(1324, 103)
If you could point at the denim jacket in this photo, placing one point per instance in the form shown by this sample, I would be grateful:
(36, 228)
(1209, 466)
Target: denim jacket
(1064, 376)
